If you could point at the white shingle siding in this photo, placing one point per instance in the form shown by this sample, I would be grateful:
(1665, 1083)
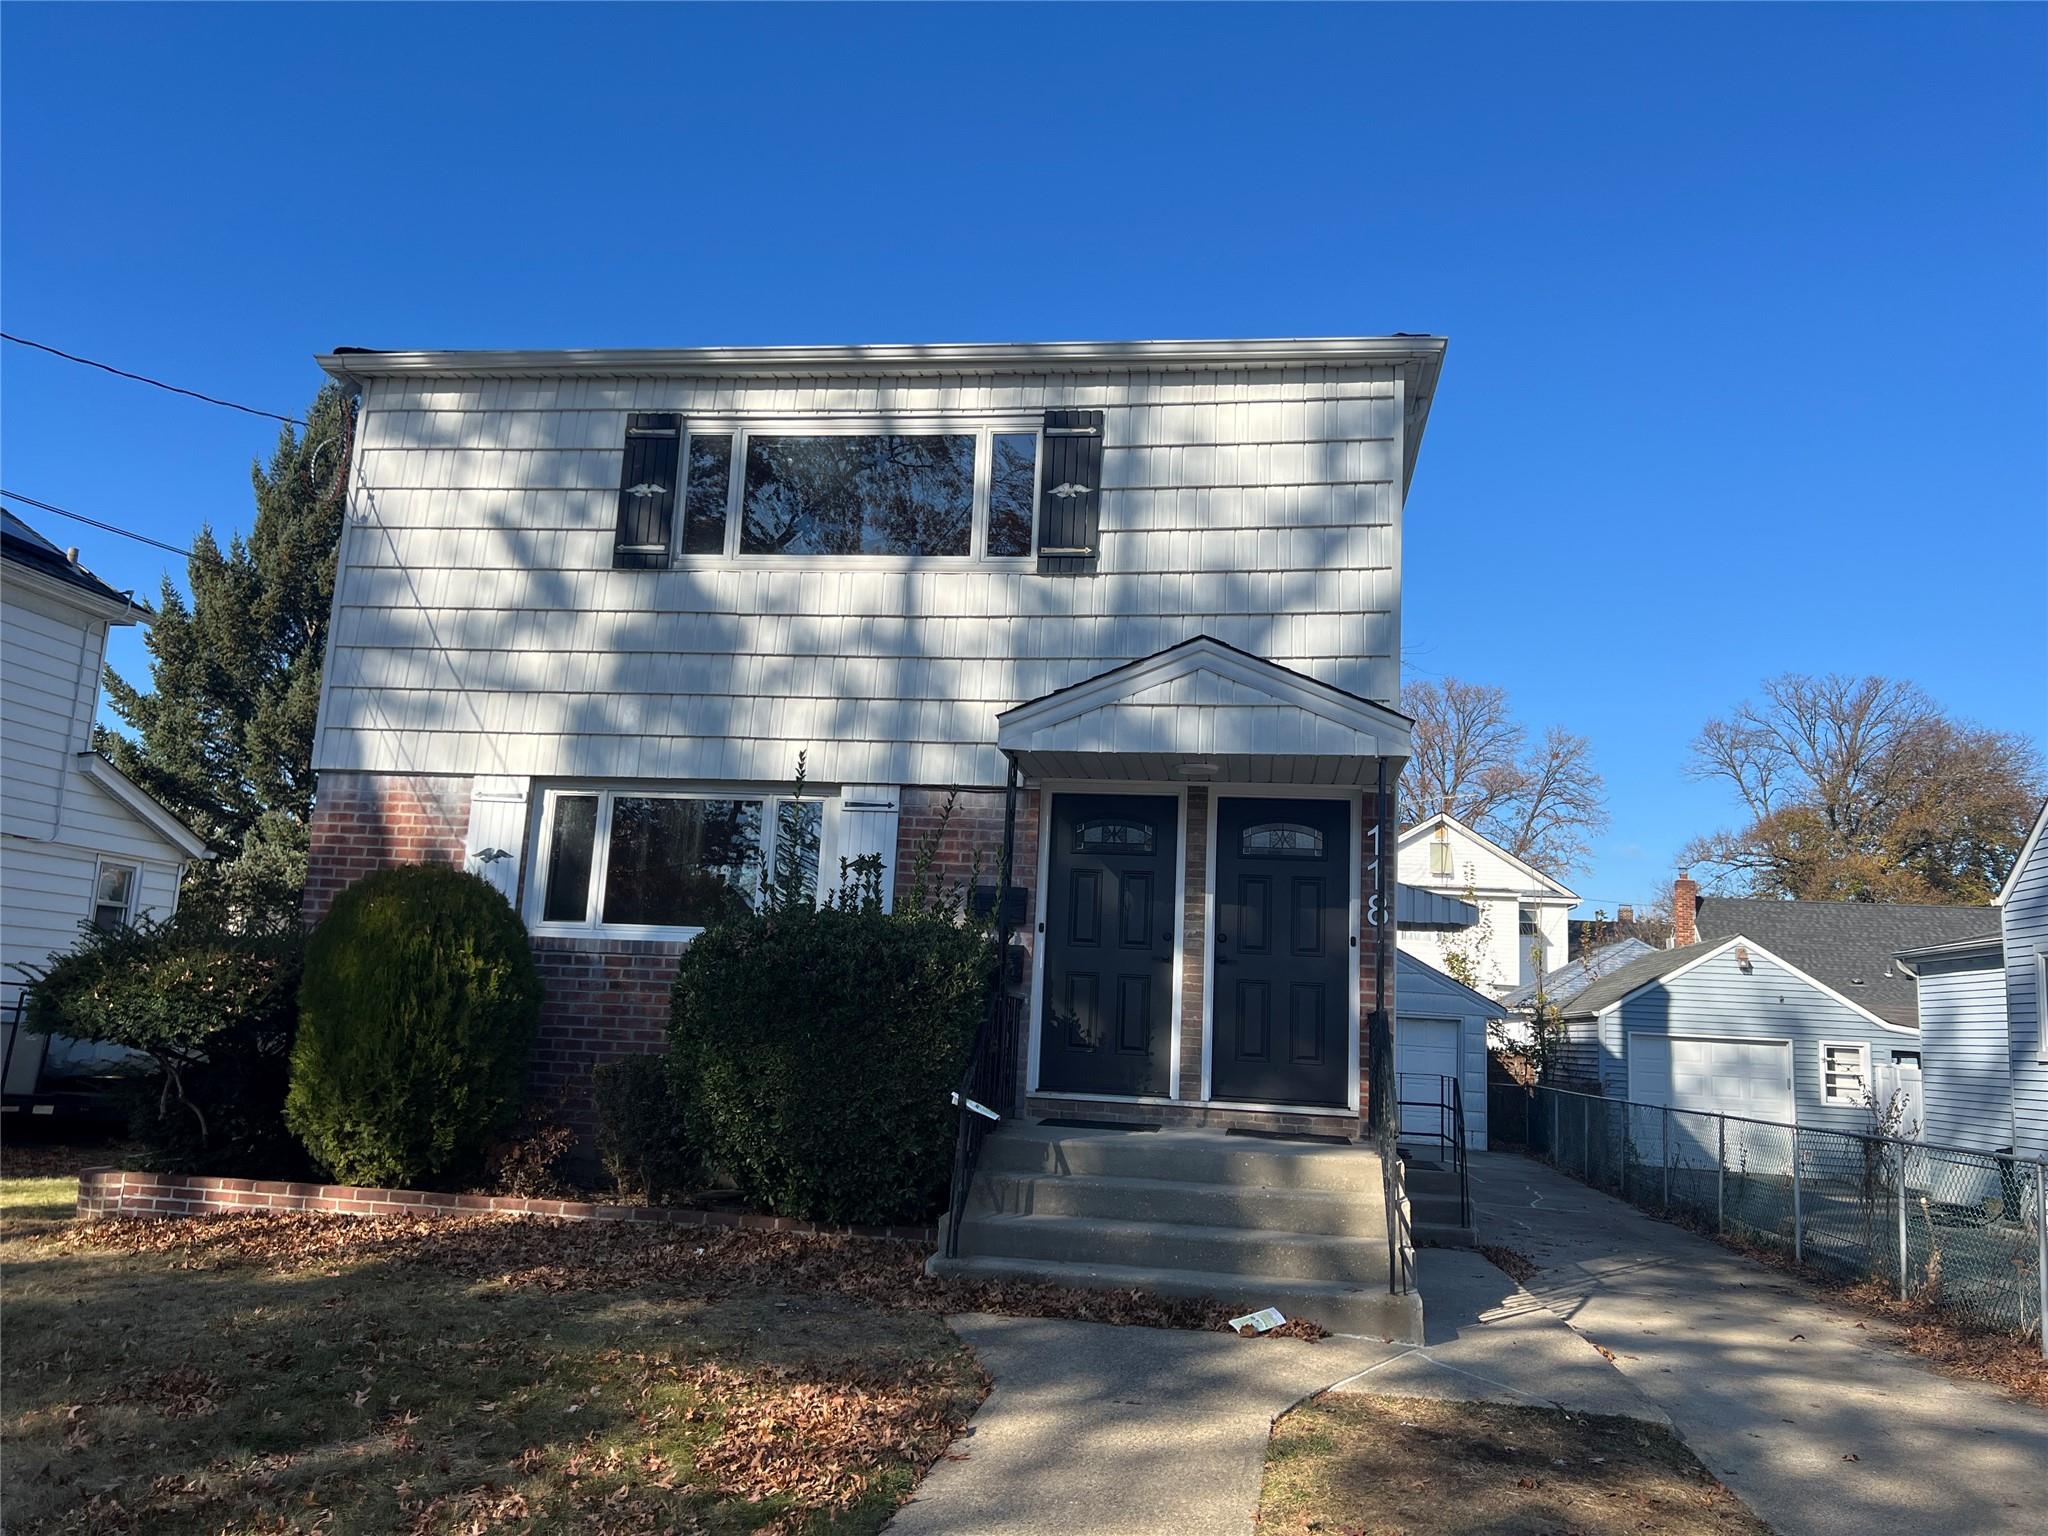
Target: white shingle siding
(2026, 937)
(1966, 1086)
(480, 628)
(1717, 997)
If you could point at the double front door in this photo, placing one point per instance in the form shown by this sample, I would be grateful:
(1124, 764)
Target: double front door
(1280, 1011)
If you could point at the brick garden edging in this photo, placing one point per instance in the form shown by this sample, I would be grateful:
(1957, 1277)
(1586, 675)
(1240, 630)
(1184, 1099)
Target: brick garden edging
(118, 1192)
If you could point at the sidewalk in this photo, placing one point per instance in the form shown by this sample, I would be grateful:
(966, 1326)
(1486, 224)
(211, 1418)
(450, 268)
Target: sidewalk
(1099, 1431)
(1818, 1426)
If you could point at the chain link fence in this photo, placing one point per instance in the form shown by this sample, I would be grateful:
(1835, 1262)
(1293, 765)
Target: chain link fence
(1965, 1230)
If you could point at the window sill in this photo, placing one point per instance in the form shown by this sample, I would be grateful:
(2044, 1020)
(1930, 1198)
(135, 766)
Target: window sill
(612, 933)
(800, 563)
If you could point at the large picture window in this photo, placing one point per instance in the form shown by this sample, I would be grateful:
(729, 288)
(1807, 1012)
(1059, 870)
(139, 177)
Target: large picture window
(768, 494)
(666, 865)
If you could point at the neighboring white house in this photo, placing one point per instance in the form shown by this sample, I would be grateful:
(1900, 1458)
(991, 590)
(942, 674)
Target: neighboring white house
(2023, 913)
(1524, 913)
(79, 842)
(591, 606)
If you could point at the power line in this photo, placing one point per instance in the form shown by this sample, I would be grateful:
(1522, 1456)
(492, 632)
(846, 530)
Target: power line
(140, 538)
(143, 378)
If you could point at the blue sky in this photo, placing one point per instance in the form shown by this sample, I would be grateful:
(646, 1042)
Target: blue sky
(1747, 305)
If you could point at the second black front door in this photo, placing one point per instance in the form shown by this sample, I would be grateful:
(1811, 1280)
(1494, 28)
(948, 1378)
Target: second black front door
(1109, 925)
(1282, 1012)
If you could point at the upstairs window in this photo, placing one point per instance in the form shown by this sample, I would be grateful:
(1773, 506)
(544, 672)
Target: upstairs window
(776, 494)
(1440, 859)
(113, 897)
(867, 494)
(662, 864)
(1844, 1073)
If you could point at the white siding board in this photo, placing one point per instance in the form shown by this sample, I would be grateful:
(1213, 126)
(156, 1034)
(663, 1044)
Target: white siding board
(1257, 505)
(2025, 923)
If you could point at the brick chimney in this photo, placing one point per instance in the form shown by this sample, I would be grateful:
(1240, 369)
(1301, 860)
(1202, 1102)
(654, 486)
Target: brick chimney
(1685, 908)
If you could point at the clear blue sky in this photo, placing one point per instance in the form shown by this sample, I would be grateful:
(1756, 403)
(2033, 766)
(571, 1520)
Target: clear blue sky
(1748, 306)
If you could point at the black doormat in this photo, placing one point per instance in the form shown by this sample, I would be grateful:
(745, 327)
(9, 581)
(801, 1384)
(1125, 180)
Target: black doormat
(1341, 1141)
(1096, 1125)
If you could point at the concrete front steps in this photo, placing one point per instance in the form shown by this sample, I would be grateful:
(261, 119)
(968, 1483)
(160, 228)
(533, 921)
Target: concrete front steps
(1248, 1221)
(1435, 1213)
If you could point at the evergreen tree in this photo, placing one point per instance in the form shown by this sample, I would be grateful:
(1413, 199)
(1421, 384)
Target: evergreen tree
(224, 737)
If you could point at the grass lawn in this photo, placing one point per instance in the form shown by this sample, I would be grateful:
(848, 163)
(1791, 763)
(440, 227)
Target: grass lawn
(259, 1374)
(1352, 1465)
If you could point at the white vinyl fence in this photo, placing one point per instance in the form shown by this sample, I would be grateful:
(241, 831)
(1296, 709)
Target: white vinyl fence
(1965, 1230)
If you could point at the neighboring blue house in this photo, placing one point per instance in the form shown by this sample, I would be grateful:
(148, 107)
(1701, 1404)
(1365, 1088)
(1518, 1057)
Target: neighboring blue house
(1966, 1073)
(1727, 1026)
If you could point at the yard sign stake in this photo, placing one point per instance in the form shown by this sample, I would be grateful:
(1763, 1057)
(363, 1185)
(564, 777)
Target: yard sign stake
(1798, 1237)
(1720, 1173)
(1903, 1286)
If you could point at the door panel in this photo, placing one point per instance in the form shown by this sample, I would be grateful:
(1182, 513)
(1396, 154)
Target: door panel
(1109, 945)
(1283, 940)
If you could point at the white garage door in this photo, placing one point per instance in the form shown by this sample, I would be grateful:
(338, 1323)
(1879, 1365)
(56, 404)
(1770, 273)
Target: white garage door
(1725, 1075)
(1426, 1050)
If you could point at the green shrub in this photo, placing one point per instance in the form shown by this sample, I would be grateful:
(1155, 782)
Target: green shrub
(213, 1010)
(416, 1019)
(642, 1138)
(815, 1049)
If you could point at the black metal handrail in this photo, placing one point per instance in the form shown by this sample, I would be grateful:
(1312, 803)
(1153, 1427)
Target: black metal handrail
(1449, 1134)
(987, 1089)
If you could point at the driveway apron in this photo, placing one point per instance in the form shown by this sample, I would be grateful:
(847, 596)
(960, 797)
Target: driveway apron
(1818, 1425)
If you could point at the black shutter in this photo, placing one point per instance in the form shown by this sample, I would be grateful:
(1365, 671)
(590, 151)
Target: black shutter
(1070, 493)
(647, 492)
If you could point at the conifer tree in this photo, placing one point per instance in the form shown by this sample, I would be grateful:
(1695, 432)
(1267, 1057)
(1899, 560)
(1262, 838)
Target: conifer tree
(224, 736)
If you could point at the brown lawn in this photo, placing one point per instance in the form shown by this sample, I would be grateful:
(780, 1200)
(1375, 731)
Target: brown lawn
(1352, 1465)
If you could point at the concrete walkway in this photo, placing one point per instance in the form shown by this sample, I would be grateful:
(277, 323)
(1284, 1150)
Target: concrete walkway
(1818, 1426)
(1100, 1431)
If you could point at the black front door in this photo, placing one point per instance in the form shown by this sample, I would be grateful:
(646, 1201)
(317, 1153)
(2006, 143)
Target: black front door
(1109, 925)
(1282, 1013)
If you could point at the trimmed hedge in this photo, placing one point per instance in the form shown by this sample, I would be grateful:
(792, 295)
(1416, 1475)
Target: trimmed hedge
(815, 1049)
(416, 1022)
(642, 1137)
(213, 1009)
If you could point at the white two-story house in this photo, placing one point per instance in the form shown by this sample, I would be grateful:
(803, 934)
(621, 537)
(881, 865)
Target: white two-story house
(79, 843)
(1524, 914)
(593, 605)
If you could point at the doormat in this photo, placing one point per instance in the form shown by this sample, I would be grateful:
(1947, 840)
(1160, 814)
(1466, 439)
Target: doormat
(1341, 1141)
(1096, 1125)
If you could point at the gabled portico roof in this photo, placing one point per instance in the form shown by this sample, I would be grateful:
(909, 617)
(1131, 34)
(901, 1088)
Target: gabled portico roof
(1205, 711)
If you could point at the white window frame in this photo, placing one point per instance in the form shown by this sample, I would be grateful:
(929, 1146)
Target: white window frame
(984, 430)
(593, 926)
(2041, 1006)
(99, 868)
(1827, 1092)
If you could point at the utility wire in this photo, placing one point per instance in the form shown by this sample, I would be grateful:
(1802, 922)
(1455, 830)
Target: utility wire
(143, 378)
(140, 538)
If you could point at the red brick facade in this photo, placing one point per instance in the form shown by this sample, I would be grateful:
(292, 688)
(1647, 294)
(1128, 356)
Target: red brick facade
(364, 822)
(104, 1193)
(608, 998)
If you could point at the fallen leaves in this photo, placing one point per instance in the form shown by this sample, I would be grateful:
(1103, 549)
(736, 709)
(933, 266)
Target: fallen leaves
(533, 1252)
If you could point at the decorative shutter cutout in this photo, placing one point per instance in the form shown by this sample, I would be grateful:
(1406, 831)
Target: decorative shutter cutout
(647, 492)
(1070, 493)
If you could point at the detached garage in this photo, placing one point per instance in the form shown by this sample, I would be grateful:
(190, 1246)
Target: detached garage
(1439, 1032)
(1727, 1027)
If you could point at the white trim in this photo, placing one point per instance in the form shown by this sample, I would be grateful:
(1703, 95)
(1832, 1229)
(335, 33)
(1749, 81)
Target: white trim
(1046, 790)
(108, 610)
(938, 358)
(1862, 1050)
(983, 427)
(2027, 848)
(542, 820)
(1355, 836)
(137, 800)
(2041, 1006)
(101, 864)
(1388, 728)
(1449, 822)
(1756, 949)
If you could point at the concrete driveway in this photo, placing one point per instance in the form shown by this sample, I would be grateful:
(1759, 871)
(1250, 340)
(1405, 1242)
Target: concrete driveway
(1818, 1426)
